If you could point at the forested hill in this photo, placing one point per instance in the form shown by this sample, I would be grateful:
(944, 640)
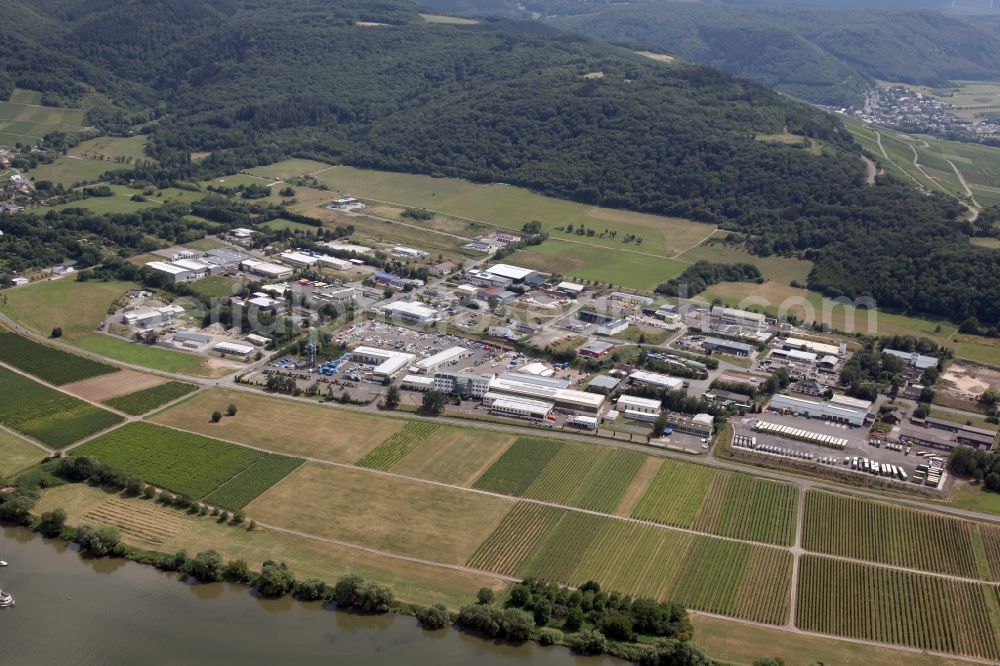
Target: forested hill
(370, 83)
(814, 53)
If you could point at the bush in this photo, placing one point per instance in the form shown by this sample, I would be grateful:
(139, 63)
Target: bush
(101, 541)
(574, 619)
(237, 571)
(671, 652)
(149, 491)
(231, 410)
(16, 508)
(57, 332)
(216, 416)
(435, 617)
(548, 637)
(587, 642)
(238, 518)
(206, 567)
(312, 589)
(275, 580)
(485, 596)
(353, 591)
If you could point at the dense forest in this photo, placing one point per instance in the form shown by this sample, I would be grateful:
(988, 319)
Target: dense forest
(815, 53)
(253, 81)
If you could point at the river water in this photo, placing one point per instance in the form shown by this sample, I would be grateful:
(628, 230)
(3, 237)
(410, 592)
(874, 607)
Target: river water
(76, 610)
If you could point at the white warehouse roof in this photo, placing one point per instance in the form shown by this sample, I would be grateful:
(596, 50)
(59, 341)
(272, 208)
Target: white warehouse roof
(299, 258)
(411, 308)
(233, 348)
(442, 357)
(581, 398)
(164, 267)
(627, 401)
(656, 379)
(809, 345)
(510, 272)
(571, 287)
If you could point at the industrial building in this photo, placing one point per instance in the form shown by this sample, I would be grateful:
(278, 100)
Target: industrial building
(327, 261)
(266, 269)
(407, 252)
(501, 296)
(417, 383)
(387, 363)
(516, 274)
(655, 380)
(722, 346)
(818, 348)
(412, 312)
(592, 317)
(699, 424)
(728, 398)
(257, 340)
(153, 316)
(630, 299)
(300, 259)
(233, 348)
(390, 279)
(819, 410)
(431, 364)
(947, 434)
(570, 289)
(613, 327)
(517, 407)
(596, 349)
(338, 296)
(603, 384)
(484, 279)
(583, 422)
(720, 316)
(640, 409)
(848, 401)
(549, 389)
(913, 359)
(794, 356)
(177, 273)
(462, 383)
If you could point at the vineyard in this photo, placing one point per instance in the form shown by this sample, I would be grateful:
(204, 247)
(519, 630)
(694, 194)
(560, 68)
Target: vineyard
(898, 607)
(733, 505)
(51, 417)
(49, 364)
(142, 523)
(879, 532)
(519, 466)
(518, 534)
(398, 445)
(726, 577)
(991, 544)
(148, 399)
(243, 488)
(178, 461)
(587, 476)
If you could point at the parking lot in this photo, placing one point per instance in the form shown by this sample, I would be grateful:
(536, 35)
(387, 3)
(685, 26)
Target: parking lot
(858, 443)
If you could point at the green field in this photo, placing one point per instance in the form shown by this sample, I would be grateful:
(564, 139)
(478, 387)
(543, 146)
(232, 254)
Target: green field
(629, 268)
(77, 307)
(23, 119)
(214, 286)
(49, 364)
(150, 357)
(182, 462)
(243, 488)
(880, 532)
(519, 466)
(16, 454)
(149, 399)
(398, 445)
(281, 224)
(703, 573)
(774, 267)
(53, 418)
(897, 607)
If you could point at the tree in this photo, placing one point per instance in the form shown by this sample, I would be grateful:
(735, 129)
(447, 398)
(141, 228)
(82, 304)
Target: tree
(312, 589)
(433, 617)
(52, 522)
(231, 410)
(433, 403)
(587, 642)
(237, 571)
(519, 595)
(391, 399)
(574, 619)
(769, 661)
(206, 566)
(616, 626)
(56, 332)
(672, 652)
(485, 596)
(275, 580)
(216, 416)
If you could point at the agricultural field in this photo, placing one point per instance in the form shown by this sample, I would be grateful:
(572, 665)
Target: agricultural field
(284, 426)
(519, 466)
(404, 517)
(16, 454)
(398, 445)
(156, 358)
(105, 387)
(703, 573)
(880, 532)
(149, 399)
(23, 119)
(777, 268)
(897, 607)
(49, 364)
(243, 488)
(454, 455)
(280, 224)
(215, 286)
(53, 418)
(739, 506)
(153, 526)
(178, 461)
(70, 171)
(586, 476)
(112, 147)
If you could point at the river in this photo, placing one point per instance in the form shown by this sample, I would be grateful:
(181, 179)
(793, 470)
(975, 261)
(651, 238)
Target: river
(76, 610)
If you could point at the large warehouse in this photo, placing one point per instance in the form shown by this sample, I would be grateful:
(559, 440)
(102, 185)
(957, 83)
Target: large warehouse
(656, 380)
(548, 389)
(831, 411)
(410, 311)
(721, 346)
(431, 364)
(721, 316)
(517, 407)
(387, 363)
(640, 409)
(516, 274)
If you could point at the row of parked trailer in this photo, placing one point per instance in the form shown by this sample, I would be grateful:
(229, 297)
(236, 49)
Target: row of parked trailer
(792, 432)
(878, 469)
